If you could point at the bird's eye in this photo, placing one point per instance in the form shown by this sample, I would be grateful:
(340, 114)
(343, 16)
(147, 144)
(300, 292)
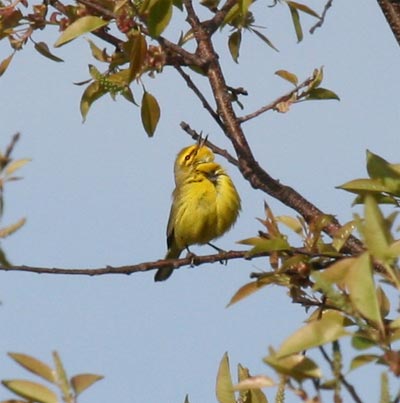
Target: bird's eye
(187, 157)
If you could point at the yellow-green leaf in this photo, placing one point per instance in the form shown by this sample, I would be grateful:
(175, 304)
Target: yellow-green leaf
(262, 245)
(250, 288)
(44, 50)
(304, 9)
(5, 63)
(150, 113)
(15, 165)
(93, 92)
(321, 93)
(10, 229)
(138, 56)
(376, 234)
(83, 381)
(296, 21)
(34, 365)
(234, 44)
(254, 382)
(62, 378)
(363, 359)
(224, 387)
(361, 286)
(264, 39)
(330, 327)
(160, 14)
(342, 235)
(79, 27)
(364, 185)
(32, 391)
(379, 168)
(286, 75)
(97, 53)
(297, 366)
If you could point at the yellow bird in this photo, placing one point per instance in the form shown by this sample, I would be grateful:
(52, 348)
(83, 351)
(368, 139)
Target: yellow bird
(205, 202)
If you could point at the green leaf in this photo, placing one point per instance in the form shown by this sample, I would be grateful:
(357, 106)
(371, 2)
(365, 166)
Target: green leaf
(321, 93)
(376, 234)
(32, 391)
(361, 286)
(5, 63)
(3, 259)
(378, 168)
(15, 165)
(79, 27)
(34, 365)
(160, 14)
(44, 50)
(97, 53)
(296, 21)
(286, 75)
(316, 333)
(364, 185)
(234, 44)
(262, 245)
(363, 359)
(92, 93)
(224, 387)
(264, 39)
(342, 235)
(361, 342)
(138, 56)
(250, 288)
(62, 378)
(297, 366)
(10, 229)
(150, 112)
(304, 9)
(83, 381)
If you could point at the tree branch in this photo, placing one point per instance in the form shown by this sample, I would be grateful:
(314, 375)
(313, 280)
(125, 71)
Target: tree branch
(190, 260)
(199, 95)
(328, 5)
(249, 167)
(391, 10)
(349, 387)
(273, 104)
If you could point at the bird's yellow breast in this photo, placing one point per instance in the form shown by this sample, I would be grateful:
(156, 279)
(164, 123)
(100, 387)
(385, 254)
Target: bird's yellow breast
(206, 205)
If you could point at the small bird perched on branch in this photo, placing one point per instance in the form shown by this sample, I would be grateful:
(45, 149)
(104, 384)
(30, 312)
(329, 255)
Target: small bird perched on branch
(205, 202)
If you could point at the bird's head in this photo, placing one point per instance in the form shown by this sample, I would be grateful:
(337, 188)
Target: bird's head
(191, 156)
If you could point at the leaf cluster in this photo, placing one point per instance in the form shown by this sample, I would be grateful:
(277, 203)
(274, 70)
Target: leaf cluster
(8, 168)
(29, 391)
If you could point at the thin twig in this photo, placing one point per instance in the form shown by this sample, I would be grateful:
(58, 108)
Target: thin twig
(200, 95)
(328, 5)
(155, 265)
(11, 146)
(350, 388)
(273, 104)
(217, 150)
(141, 267)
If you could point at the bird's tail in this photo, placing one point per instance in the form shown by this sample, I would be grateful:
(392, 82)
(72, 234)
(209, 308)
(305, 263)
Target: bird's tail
(163, 273)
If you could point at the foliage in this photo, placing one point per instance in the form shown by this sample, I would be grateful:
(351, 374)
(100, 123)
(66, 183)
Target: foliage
(69, 389)
(8, 167)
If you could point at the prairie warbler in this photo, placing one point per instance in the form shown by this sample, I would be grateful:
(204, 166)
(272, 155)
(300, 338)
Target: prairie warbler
(205, 203)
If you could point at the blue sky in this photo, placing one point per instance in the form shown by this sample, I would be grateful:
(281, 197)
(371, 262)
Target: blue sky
(98, 194)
